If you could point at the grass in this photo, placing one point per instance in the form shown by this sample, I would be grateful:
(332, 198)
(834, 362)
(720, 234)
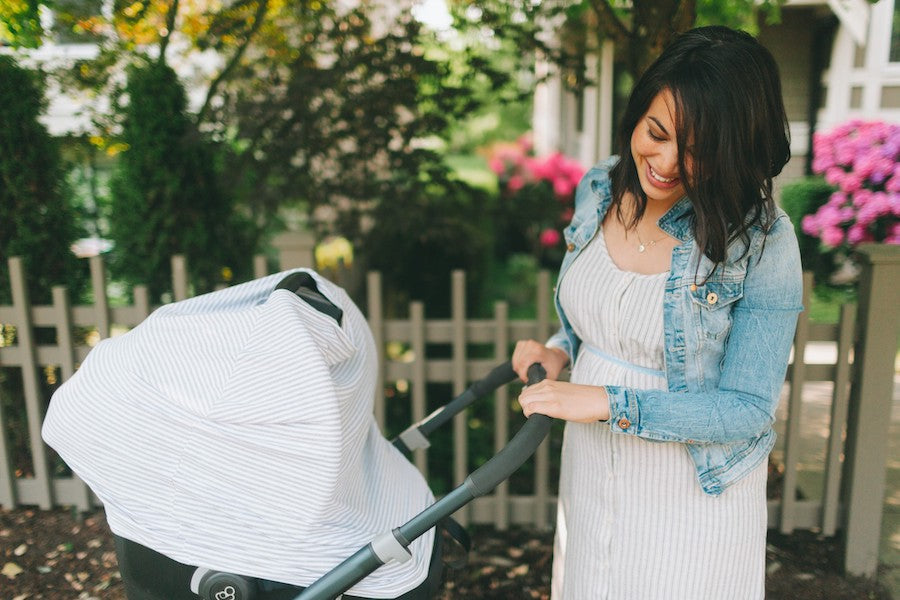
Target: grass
(473, 169)
(825, 303)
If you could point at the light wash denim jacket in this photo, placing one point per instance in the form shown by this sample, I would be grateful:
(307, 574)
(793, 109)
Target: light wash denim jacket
(728, 337)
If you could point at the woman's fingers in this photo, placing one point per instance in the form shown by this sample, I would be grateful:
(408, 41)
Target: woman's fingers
(528, 352)
(563, 400)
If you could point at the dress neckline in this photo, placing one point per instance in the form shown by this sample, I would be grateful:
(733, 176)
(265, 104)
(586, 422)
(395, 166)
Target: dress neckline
(609, 258)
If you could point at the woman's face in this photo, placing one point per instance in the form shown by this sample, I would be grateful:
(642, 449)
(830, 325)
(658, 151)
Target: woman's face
(655, 151)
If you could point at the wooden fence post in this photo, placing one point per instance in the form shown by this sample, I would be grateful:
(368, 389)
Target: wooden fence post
(458, 377)
(795, 407)
(8, 488)
(295, 249)
(260, 268)
(839, 402)
(101, 303)
(65, 342)
(376, 324)
(501, 411)
(179, 278)
(419, 377)
(870, 405)
(43, 490)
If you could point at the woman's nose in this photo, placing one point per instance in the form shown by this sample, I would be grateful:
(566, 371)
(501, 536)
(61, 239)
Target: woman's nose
(669, 160)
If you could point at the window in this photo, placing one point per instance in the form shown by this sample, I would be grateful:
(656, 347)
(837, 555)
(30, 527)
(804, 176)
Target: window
(895, 34)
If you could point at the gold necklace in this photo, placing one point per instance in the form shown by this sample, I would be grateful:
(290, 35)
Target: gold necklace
(641, 245)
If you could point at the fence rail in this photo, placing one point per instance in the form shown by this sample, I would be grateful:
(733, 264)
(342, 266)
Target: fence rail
(825, 510)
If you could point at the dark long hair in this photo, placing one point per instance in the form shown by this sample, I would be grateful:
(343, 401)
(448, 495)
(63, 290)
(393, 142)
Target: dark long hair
(729, 108)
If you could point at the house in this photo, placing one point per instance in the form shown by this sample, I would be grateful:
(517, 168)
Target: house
(839, 59)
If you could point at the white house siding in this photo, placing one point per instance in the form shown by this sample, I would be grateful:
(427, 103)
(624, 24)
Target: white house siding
(791, 43)
(859, 82)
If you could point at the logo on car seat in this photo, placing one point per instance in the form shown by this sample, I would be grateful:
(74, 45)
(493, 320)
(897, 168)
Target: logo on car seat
(227, 593)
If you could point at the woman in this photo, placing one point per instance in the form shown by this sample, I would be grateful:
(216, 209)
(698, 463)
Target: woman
(678, 298)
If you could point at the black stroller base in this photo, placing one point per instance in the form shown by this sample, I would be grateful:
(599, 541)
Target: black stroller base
(149, 575)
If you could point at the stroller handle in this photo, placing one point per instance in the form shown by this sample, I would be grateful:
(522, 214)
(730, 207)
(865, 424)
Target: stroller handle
(416, 435)
(480, 482)
(517, 451)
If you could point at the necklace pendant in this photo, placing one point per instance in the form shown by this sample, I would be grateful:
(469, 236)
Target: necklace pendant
(641, 248)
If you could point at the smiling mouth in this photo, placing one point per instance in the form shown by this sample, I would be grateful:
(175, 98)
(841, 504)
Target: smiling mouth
(660, 178)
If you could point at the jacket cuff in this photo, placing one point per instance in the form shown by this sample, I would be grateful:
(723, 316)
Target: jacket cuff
(624, 416)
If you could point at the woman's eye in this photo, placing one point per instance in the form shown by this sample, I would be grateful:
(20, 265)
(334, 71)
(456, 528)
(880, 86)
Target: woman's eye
(654, 137)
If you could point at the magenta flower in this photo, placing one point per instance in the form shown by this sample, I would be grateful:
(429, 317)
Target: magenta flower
(832, 236)
(852, 182)
(515, 183)
(550, 238)
(497, 165)
(858, 234)
(862, 160)
(527, 178)
(810, 225)
(563, 187)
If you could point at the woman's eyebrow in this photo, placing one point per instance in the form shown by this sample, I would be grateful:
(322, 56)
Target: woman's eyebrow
(658, 124)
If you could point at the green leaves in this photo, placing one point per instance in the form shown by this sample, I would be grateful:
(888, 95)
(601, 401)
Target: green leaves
(35, 219)
(20, 23)
(167, 196)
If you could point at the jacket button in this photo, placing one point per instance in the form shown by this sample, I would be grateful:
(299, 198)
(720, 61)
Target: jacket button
(712, 297)
(693, 287)
(570, 247)
(624, 423)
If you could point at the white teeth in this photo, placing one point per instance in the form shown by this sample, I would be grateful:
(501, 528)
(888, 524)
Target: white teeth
(661, 179)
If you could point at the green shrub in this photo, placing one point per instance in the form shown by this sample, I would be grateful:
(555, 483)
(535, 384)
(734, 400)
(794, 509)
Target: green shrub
(804, 197)
(433, 225)
(36, 222)
(166, 195)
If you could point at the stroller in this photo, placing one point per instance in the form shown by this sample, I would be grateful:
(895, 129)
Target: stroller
(231, 439)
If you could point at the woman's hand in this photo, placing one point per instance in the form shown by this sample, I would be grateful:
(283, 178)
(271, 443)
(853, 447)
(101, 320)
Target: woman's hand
(528, 352)
(567, 401)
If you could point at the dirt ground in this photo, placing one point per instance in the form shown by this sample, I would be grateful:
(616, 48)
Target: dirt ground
(58, 555)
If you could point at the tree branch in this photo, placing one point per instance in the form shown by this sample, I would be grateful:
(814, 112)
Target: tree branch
(170, 26)
(235, 59)
(686, 15)
(610, 22)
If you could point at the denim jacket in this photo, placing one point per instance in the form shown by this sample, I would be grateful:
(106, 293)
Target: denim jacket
(728, 335)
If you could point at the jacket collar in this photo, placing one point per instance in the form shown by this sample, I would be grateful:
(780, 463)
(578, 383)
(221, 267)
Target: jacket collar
(677, 221)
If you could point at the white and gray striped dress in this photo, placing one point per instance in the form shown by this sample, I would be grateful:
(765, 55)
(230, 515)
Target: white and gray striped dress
(633, 522)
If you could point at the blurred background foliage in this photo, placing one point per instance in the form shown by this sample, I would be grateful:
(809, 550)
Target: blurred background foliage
(343, 118)
(37, 222)
(214, 126)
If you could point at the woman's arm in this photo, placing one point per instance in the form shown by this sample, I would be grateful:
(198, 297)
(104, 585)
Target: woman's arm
(756, 356)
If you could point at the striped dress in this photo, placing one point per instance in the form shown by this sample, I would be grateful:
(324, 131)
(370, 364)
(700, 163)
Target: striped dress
(633, 522)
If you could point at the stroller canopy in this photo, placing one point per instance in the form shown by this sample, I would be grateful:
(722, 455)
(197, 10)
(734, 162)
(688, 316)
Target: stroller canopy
(234, 431)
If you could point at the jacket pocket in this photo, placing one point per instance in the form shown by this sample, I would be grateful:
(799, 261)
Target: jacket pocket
(713, 303)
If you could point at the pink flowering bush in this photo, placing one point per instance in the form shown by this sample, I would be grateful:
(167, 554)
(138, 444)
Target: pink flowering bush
(537, 197)
(861, 160)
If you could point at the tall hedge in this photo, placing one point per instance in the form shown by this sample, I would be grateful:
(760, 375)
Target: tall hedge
(801, 198)
(36, 222)
(166, 196)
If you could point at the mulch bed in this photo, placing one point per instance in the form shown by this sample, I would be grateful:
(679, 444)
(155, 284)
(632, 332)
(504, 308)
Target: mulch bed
(59, 555)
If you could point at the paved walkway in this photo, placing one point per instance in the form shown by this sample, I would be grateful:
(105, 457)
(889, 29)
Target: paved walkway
(814, 431)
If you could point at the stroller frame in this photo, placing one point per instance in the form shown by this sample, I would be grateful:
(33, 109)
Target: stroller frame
(393, 545)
